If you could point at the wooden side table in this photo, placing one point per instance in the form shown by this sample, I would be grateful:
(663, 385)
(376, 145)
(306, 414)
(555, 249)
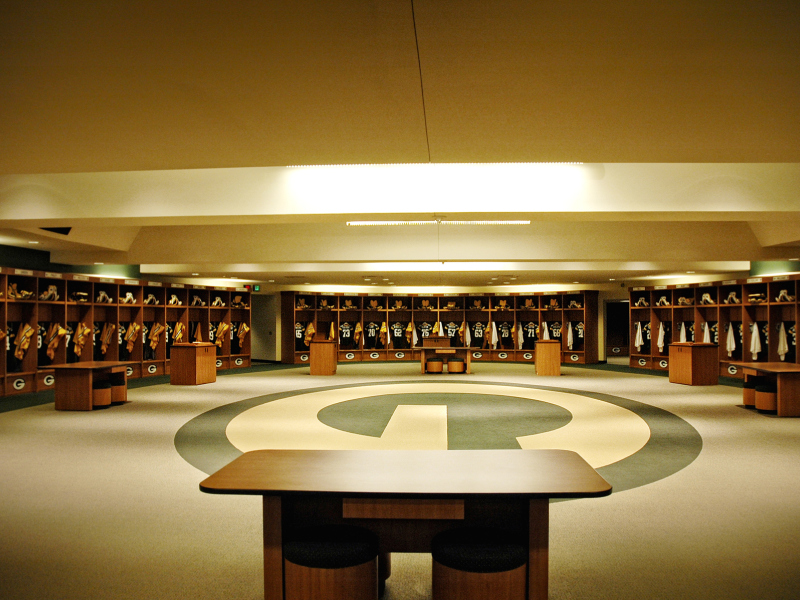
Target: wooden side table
(692, 363)
(324, 355)
(548, 357)
(193, 364)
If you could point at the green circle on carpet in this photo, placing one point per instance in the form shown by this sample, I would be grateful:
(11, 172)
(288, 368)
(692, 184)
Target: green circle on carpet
(673, 443)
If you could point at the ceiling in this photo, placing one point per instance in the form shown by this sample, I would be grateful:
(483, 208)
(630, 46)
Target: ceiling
(161, 133)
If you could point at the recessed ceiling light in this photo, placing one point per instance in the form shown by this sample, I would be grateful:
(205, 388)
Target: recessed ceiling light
(576, 282)
(99, 263)
(690, 272)
(612, 279)
(33, 242)
(271, 281)
(195, 273)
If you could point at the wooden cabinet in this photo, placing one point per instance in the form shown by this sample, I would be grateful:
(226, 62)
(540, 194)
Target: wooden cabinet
(547, 358)
(193, 364)
(69, 318)
(749, 320)
(386, 327)
(693, 364)
(323, 357)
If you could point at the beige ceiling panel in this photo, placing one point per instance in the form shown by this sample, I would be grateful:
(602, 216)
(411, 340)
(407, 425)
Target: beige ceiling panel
(620, 81)
(608, 241)
(90, 86)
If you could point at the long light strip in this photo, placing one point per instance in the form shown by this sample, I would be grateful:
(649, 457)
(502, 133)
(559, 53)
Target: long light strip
(433, 222)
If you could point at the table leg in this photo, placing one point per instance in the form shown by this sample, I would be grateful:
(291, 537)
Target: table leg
(273, 549)
(538, 548)
(789, 395)
(73, 390)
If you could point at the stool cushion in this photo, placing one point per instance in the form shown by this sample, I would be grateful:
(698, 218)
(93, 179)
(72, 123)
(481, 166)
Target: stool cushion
(330, 546)
(101, 385)
(479, 550)
(460, 360)
(767, 389)
(749, 385)
(434, 359)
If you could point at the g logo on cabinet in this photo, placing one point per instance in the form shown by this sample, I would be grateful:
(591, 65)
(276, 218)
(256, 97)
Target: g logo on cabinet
(239, 362)
(399, 354)
(151, 369)
(49, 380)
(19, 384)
(574, 358)
(304, 357)
(129, 371)
(349, 356)
(476, 355)
(733, 369)
(663, 364)
(528, 356)
(502, 356)
(374, 355)
(642, 362)
(219, 363)
(616, 350)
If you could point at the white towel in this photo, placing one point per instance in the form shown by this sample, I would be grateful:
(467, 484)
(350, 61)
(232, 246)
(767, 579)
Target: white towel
(683, 332)
(545, 331)
(706, 334)
(639, 340)
(494, 336)
(467, 336)
(755, 341)
(519, 336)
(783, 344)
(730, 344)
(569, 335)
(661, 337)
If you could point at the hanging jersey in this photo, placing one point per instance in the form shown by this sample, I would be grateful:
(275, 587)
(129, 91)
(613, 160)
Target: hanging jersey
(347, 339)
(372, 332)
(529, 331)
(477, 332)
(424, 330)
(505, 333)
(397, 334)
(451, 330)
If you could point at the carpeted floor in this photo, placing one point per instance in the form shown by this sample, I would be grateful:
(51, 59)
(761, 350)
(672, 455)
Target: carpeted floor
(103, 505)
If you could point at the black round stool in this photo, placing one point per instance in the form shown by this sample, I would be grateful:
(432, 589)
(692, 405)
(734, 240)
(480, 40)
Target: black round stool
(473, 563)
(331, 562)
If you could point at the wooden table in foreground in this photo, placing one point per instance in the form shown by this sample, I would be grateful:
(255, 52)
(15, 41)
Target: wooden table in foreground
(787, 376)
(74, 381)
(407, 496)
(193, 364)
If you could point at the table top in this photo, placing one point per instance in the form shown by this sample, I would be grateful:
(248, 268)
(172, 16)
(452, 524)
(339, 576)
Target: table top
(92, 365)
(410, 473)
(770, 367)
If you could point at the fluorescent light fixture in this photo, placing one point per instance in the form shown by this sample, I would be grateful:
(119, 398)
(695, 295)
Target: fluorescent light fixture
(434, 222)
